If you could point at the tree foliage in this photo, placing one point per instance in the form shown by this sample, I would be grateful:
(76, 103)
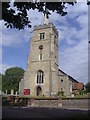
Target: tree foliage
(12, 78)
(88, 87)
(20, 18)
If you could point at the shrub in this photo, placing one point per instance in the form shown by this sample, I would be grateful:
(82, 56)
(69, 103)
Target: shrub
(84, 92)
(5, 101)
(60, 93)
(80, 92)
(88, 87)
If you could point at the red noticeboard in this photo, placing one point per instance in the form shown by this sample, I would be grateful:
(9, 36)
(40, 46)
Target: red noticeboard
(26, 91)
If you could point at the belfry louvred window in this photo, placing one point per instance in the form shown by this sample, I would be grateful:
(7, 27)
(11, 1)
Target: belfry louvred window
(42, 36)
(40, 77)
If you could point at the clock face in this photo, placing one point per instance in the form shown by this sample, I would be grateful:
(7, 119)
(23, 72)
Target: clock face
(41, 47)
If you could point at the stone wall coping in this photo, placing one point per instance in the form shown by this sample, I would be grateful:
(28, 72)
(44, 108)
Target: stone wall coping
(75, 98)
(56, 98)
(46, 98)
(49, 98)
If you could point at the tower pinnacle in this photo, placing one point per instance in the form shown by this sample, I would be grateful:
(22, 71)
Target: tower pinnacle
(46, 16)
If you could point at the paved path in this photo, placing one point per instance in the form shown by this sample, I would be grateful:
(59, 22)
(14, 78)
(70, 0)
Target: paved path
(32, 112)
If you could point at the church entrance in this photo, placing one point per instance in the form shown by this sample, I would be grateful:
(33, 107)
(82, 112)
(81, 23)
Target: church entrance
(39, 91)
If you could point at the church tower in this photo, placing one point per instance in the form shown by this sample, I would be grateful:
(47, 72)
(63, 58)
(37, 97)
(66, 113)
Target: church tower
(41, 76)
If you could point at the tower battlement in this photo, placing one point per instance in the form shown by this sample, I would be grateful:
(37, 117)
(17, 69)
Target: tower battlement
(44, 26)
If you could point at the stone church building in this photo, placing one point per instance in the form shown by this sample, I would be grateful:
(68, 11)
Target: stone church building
(43, 76)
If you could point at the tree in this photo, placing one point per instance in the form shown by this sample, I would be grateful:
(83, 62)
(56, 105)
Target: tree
(20, 19)
(88, 87)
(12, 78)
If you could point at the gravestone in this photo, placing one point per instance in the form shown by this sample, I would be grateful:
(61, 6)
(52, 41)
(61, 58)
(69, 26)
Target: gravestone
(47, 93)
(72, 95)
(6, 92)
(16, 93)
(12, 92)
(59, 102)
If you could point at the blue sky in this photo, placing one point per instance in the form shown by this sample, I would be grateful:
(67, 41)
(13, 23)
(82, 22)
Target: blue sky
(73, 41)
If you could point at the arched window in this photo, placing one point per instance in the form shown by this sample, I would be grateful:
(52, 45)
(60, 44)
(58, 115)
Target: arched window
(40, 77)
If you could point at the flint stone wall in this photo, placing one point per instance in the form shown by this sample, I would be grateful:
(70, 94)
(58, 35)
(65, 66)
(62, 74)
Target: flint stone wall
(75, 103)
(65, 103)
(45, 103)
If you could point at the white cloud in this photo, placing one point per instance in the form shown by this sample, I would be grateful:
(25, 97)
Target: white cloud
(13, 37)
(73, 32)
(77, 10)
(83, 20)
(0, 32)
(0, 57)
(75, 61)
(82, 1)
(89, 62)
(4, 67)
(16, 37)
(36, 18)
(73, 41)
(76, 28)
